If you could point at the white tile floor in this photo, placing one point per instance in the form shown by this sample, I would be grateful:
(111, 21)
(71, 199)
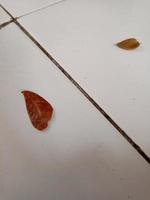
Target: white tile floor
(81, 35)
(81, 155)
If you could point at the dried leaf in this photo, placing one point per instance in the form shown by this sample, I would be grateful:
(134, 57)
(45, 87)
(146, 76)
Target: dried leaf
(39, 110)
(128, 44)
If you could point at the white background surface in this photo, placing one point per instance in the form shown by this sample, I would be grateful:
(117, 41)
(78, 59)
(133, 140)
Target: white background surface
(80, 155)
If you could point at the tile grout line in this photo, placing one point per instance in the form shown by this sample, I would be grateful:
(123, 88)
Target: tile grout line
(5, 24)
(95, 104)
(41, 8)
(7, 11)
(8, 22)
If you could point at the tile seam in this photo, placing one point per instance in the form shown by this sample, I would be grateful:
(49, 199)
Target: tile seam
(40, 9)
(35, 10)
(5, 24)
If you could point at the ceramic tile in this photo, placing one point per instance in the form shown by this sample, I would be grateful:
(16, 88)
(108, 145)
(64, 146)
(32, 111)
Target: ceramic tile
(80, 156)
(82, 39)
(3, 16)
(22, 7)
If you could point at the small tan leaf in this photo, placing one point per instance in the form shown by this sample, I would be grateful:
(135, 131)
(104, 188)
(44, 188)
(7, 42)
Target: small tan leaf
(39, 110)
(128, 44)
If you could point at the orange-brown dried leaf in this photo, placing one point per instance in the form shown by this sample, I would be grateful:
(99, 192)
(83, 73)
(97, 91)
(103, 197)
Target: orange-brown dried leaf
(128, 44)
(39, 110)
